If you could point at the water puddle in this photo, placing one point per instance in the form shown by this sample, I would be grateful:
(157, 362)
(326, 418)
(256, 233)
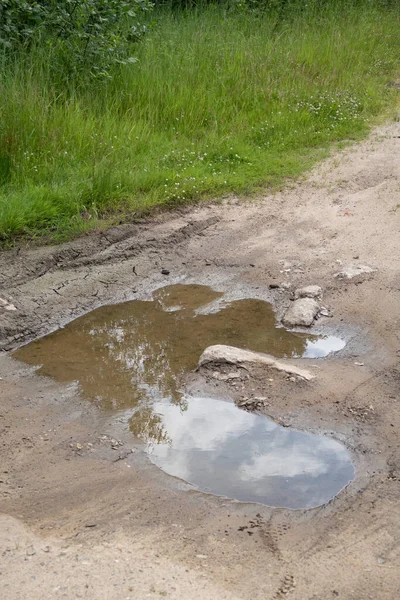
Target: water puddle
(134, 355)
(233, 453)
(322, 346)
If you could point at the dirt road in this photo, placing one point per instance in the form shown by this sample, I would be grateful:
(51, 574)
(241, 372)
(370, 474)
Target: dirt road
(84, 517)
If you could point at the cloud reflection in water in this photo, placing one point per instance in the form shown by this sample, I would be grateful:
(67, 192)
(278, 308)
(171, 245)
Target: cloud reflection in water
(229, 452)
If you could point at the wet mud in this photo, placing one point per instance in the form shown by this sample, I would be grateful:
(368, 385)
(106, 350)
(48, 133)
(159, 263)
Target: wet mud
(135, 355)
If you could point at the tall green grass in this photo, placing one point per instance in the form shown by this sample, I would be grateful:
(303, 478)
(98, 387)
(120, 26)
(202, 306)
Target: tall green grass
(218, 102)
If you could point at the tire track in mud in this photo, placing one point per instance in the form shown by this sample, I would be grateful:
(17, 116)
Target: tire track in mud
(129, 249)
(18, 267)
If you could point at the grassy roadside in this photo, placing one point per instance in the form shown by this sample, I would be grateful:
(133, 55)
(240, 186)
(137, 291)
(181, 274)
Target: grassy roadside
(218, 102)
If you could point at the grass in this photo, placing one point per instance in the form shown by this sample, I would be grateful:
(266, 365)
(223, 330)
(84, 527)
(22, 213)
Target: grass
(218, 102)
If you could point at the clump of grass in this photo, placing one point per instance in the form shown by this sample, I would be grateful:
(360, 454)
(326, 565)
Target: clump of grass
(218, 102)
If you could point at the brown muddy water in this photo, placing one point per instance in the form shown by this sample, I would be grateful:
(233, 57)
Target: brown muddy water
(134, 356)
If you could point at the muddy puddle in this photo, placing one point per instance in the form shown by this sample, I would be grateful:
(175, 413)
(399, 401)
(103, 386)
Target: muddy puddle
(135, 355)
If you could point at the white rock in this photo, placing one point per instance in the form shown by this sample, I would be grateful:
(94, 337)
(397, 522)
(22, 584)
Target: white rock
(301, 313)
(309, 291)
(350, 271)
(6, 305)
(232, 355)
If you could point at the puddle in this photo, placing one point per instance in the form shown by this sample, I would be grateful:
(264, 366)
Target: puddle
(128, 353)
(228, 452)
(322, 346)
(133, 356)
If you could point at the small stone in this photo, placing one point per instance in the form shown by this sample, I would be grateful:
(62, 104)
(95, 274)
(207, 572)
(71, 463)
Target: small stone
(324, 312)
(233, 376)
(309, 291)
(219, 376)
(165, 272)
(351, 271)
(10, 307)
(292, 379)
(274, 286)
(359, 364)
(6, 305)
(226, 376)
(301, 313)
(201, 556)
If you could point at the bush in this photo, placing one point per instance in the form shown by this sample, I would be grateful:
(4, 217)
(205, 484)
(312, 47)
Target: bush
(83, 35)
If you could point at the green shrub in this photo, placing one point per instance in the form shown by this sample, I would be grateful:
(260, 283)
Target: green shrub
(81, 35)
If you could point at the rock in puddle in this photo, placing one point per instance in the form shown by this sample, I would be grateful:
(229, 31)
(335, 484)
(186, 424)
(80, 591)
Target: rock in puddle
(301, 313)
(221, 354)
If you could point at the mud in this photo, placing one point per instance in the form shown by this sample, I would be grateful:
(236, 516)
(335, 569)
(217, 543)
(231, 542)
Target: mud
(72, 481)
(136, 355)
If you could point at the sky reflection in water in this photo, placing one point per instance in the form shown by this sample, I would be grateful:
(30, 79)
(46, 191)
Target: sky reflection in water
(229, 452)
